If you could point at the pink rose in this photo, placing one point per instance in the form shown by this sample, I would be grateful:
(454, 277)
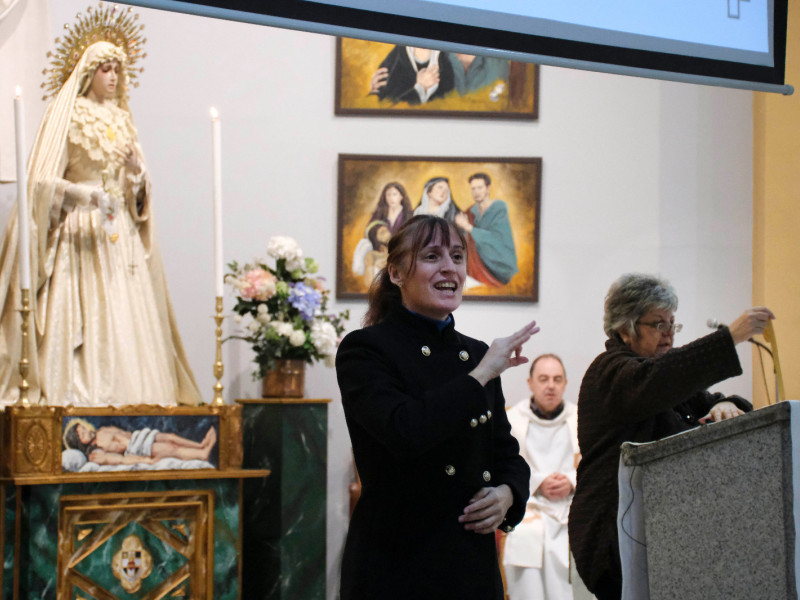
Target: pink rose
(258, 284)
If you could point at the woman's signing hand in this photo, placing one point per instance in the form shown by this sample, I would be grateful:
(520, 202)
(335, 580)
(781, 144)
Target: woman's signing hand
(487, 509)
(504, 353)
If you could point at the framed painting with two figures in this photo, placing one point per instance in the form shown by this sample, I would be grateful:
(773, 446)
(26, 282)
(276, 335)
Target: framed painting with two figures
(374, 78)
(493, 201)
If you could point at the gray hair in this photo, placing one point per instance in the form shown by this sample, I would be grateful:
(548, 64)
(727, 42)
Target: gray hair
(631, 297)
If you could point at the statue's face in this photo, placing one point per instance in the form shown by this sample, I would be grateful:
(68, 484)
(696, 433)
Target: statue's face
(104, 82)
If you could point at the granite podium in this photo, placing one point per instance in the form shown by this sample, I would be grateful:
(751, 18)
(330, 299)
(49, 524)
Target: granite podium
(711, 513)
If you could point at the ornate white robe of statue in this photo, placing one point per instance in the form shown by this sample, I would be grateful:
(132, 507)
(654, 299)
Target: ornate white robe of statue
(105, 332)
(536, 553)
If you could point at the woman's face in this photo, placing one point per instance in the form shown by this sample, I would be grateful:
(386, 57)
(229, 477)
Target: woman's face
(650, 342)
(104, 82)
(435, 286)
(438, 192)
(393, 197)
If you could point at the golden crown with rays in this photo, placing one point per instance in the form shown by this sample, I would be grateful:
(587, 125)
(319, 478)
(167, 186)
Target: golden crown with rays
(99, 24)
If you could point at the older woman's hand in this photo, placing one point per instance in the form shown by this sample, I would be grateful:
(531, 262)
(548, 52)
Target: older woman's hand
(751, 322)
(721, 411)
(504, 353)
(487, 509)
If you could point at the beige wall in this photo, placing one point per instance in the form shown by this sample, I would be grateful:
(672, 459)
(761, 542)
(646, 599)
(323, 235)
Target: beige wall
(776, 216)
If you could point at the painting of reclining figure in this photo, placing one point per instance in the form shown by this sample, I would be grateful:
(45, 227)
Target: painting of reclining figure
(94, 443)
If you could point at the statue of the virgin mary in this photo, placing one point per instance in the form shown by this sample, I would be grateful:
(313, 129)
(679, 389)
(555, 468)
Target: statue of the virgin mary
(105, 331)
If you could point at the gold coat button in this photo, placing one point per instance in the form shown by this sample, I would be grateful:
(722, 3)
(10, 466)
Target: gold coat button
(487, 476)
(463, 355)
(482, 419)
(488, 414)
(508, 528)
(450, 470)
(426, 351)
(473, 423)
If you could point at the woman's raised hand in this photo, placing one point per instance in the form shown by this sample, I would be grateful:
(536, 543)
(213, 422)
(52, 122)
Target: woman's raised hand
(751, 322)
(504, 353)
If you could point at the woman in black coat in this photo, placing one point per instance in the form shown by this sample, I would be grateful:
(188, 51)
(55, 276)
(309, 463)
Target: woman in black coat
(440, 470)
(640, 390)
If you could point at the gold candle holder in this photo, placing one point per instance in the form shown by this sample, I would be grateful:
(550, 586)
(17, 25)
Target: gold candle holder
(219, 368)
(24, 363)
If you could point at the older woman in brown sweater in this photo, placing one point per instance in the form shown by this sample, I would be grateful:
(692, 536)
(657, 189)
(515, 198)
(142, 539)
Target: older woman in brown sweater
(642, 389)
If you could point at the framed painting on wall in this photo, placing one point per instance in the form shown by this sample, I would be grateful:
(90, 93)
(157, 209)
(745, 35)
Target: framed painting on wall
(374, 78)
(494, 201)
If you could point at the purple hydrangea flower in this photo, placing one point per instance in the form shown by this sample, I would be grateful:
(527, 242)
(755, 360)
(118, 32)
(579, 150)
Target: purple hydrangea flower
(305, 299)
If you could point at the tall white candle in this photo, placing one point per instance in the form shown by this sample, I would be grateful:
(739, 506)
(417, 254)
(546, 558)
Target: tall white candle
(217, 158)
(22, 194)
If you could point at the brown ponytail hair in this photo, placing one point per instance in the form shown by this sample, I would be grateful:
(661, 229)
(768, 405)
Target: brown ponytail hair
(413, 236)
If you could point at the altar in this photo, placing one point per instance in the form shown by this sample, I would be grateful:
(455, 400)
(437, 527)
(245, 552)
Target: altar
(166, 525)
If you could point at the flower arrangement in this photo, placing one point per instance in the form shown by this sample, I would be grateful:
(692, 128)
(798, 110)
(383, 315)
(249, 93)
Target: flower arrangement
(286, 306)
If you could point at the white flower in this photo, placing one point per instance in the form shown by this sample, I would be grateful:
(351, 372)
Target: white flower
(324, 338)
(263, 318)
(284, 329)
(282, 246)
(254, 326)
(297, 263)
(237, 318)
(297, 338)
(262, 308)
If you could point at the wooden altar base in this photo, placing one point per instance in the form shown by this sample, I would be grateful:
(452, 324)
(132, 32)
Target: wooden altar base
(152, 534)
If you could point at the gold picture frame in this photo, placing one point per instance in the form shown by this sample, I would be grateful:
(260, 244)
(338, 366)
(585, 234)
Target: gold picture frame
(514, 188)
(463, 86)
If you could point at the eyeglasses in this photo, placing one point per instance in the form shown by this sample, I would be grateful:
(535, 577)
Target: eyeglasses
(663, 326)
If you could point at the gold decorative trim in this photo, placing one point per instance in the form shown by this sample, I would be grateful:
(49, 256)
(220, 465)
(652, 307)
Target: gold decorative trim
(116, 25)
(109, 514)
(283, 400)
(31, 444)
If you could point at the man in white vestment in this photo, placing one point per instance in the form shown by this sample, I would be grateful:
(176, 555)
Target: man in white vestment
(536, 554)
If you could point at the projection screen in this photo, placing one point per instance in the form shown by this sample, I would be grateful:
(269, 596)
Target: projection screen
(731, 43)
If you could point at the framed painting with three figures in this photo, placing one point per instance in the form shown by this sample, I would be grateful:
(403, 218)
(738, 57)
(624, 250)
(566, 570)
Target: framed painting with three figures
(374, 78)
(494, 201)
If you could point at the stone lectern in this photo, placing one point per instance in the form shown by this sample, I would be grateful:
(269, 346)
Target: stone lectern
(712, 513)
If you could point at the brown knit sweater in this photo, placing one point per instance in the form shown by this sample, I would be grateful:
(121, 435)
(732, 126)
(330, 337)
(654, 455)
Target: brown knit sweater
(627, 397)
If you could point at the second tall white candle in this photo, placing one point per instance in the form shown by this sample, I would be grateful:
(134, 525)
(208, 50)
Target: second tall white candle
(217, 173)
(24, 260)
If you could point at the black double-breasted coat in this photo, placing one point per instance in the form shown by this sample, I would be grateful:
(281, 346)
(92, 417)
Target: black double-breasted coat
(426, 437)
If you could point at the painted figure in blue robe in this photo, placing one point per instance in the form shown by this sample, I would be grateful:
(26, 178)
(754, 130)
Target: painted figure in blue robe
(491, 256)
(471, 72)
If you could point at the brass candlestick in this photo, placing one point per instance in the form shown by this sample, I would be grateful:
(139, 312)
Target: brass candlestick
(24, 363)
(219, 368)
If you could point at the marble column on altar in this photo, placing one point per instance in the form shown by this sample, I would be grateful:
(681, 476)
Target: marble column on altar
(284, 526)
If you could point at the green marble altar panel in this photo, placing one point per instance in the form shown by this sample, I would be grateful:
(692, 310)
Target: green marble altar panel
(285, 514)
(39, 532)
